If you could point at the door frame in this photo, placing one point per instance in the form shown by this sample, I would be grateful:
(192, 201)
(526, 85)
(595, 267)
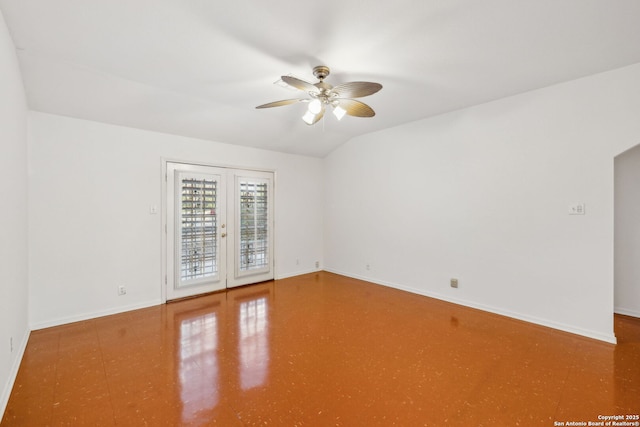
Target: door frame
(164, 213)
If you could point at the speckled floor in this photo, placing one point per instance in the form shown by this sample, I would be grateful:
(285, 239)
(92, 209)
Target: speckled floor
(321, 350)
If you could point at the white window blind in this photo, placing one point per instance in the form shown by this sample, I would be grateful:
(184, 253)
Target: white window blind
(198, 257)
(254, 223)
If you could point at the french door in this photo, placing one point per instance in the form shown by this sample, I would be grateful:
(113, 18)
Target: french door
(219, 228)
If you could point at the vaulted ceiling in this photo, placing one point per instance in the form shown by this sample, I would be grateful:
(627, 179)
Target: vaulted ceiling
(198, 68)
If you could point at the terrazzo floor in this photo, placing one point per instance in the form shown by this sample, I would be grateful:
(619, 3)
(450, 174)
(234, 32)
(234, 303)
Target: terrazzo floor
(321, 350)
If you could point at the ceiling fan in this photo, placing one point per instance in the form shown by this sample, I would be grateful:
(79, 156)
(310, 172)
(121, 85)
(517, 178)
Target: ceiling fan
(323, 95)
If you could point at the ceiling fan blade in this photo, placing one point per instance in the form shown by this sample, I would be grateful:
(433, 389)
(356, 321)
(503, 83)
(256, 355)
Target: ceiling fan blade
(300, 84)
(281, 103)
(356, 108)
(356, 89)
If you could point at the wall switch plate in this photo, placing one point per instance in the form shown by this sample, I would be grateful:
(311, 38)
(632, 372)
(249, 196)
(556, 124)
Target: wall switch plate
(454, 283)
(577, 209)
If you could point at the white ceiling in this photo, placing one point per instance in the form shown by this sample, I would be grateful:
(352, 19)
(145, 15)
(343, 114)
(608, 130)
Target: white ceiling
(199, 67)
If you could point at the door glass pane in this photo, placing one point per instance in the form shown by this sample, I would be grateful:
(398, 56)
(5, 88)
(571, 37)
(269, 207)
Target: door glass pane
(198, 230)
(254, 237)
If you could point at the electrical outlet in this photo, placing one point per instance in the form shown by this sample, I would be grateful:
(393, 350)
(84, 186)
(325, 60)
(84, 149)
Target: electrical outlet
(317, 264)
(122, 290)
(11, 344)
(368, 266)
(297, 261)
(577, 209)
(454, 283)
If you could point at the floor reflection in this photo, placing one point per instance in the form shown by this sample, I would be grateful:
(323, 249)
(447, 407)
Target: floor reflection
(198, 369)
(226, 329)
(253, 344)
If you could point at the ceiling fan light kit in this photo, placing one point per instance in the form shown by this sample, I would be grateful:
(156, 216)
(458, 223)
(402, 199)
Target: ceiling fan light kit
(322, 95)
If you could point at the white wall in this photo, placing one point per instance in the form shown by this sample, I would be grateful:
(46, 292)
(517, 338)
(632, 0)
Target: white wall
(483, 195)
(90, 189)
(13, 216)
(627, 232)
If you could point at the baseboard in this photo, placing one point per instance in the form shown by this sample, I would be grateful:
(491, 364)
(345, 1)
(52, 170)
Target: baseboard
(610, 338)
(13, 373)
(93, 315)
(297, 273)
(626, 312)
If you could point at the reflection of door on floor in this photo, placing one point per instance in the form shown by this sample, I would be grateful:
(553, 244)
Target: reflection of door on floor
(219, 228)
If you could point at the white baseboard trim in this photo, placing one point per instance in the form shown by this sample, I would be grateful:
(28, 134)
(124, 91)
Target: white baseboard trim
(93, 315)
(610, 338)
(297, 273)
(13, 373)
(626, 311)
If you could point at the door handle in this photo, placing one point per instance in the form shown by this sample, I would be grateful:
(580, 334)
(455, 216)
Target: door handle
(223, 235)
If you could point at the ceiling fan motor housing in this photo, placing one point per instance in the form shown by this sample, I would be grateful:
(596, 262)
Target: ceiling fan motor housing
(321, 72)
